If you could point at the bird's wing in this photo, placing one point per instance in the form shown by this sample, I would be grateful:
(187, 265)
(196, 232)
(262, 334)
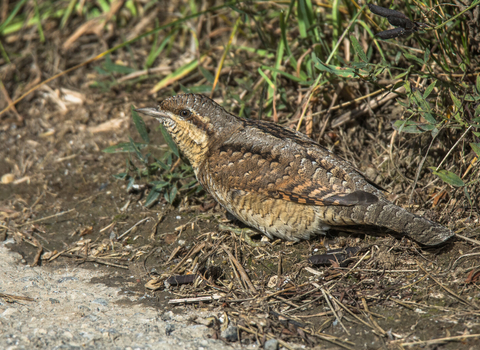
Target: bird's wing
(282, 164)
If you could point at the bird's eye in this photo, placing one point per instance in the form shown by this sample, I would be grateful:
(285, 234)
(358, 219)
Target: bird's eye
(185, 113)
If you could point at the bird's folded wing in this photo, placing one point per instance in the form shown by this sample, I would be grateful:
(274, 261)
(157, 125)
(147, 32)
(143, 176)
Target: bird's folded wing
(295, 179)
(327, 198)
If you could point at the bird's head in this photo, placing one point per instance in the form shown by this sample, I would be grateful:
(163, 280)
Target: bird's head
(195, 122)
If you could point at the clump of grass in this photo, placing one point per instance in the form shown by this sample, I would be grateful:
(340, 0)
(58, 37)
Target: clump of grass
(169, 177)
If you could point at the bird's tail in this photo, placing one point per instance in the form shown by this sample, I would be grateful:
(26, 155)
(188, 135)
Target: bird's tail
(397, 219)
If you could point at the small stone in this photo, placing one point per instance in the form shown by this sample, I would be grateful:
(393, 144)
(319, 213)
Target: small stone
(271, 344)
(9, 311)
(7, 178)
(169, 328)
(67, 335)
(230, 333)
(100, 301)
(208, 322)
(272, 282)
(167, 316)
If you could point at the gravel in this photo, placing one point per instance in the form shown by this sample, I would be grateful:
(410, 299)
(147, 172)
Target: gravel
(69, 312)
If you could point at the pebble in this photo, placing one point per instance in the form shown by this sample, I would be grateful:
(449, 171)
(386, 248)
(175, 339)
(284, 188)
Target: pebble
(230, 333)
(271, 344)
(169, 328)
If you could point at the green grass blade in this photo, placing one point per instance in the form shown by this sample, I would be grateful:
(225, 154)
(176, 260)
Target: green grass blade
(140, 125)
(475, 148)
(358, 49)
(68, 12)
(176, 75)
(136, 150)
(39, 22)
(152, 56)
(283, 31)
(12, 15)
(303, 18)
(151, 198)
(448, 177)
(267, 79)
(124, 147)
(225, 52)
(285, 74)
(168, 139)
(429, 89)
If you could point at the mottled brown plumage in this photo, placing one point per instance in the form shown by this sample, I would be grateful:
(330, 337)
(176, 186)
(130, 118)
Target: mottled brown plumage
(277, 180)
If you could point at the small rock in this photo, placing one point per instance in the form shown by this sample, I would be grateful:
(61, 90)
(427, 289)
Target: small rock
(271, 344)
(9, 312)
(7, 178)
(230, 333)
(169, 328)
(208, 322)
(272, 282)
(167, 316)
(100, 301)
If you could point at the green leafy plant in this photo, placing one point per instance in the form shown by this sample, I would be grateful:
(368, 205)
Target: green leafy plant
(163, 175)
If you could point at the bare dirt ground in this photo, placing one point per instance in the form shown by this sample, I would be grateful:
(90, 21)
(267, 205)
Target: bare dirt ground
(69, 307)
(63, 209)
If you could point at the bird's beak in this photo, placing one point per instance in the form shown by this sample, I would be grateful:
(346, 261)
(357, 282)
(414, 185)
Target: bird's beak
(152, 112)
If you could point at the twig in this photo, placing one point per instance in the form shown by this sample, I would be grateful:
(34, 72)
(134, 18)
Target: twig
(374, 103)
(474, 241)
(375, 324)
(326, 313)
(57, 255)
(408, 304)
(349, 271)
(9, 101)
(88, 198)
(36, 259)
(46, 218)
(455, 145)
(240, 269)
(131, 228)
(419, 169)
(288, 302)
(268, 335)
(13, 298)
(352, 314)
(90, 259)
(304, 305)
(329, 110)
(331, 339)
(447, 289)
(440, 340)
(136, 74)
(195, 300)
(192, 251)
(463, 256)
(285, 290)
(333, 310)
